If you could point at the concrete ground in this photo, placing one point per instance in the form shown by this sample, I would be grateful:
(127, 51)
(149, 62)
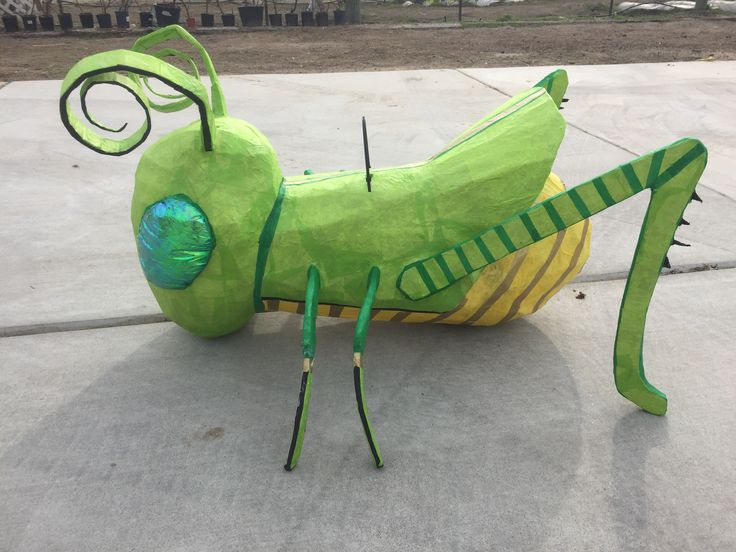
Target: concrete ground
(142, 437)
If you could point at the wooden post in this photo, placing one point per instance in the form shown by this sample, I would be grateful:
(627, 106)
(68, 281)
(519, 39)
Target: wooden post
(352, 9)
(460, 11)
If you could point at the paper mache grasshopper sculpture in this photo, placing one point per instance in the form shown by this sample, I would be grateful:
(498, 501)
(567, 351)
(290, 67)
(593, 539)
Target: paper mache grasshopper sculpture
(480, 233)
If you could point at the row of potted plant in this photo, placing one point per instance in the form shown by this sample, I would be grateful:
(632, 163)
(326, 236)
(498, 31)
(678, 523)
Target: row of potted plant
(169, 14)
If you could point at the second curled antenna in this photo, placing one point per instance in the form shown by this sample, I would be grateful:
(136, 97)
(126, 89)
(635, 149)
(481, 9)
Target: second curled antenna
(368, 175)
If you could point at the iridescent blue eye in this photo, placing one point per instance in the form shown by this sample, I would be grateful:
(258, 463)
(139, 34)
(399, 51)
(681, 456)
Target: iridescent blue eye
(175, 242)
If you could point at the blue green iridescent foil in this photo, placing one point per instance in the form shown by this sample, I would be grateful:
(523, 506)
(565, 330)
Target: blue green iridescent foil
(175, 242)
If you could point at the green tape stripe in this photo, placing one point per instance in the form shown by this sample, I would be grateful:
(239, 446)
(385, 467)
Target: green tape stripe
(421, 269)
(483, 248)
(632, 179)
(364, 317)
(655, 167)
(554, 216)
(675, 168)
(501, 233)
(530, 227)
(579, 203)
(264, 246)
(463, 259)
(311, 302)
(600, 187)
(445, 269)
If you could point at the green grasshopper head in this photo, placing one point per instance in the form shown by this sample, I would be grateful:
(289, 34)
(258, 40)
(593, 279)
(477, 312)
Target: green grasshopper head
(202, 194)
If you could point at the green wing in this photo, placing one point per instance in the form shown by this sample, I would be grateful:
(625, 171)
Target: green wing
(493, 170)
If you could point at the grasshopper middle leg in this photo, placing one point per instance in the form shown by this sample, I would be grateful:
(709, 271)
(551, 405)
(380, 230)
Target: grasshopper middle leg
(309, 342)
(361, 331)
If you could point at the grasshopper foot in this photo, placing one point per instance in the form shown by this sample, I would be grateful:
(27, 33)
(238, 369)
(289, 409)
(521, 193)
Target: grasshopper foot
(647, 398)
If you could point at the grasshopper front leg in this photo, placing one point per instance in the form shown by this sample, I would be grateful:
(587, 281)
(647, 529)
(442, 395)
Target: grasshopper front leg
(309, 342)
(670, 173)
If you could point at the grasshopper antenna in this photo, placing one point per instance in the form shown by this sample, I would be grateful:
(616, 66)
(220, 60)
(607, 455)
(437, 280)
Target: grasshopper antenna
(368, 175)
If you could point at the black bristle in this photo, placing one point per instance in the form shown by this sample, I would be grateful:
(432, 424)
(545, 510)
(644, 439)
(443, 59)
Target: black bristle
(675, 242)
(683, 222)
(696, 197)
(666, 263)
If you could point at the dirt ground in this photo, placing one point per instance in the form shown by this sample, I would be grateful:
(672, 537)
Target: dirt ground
(575, 39)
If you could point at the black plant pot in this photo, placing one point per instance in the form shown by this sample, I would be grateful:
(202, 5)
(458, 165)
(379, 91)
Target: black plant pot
(307, 19)
(11, 23)
(87, 20)
(65, 21)
(29, 23)
(275, 20)
(207, 19)
(323, 19)
(167, 14)
(104, 20)
(251, 16)
(47, 22)
(122, 19)
(228, 19)
(292, 19)
(146, 20)
(339, 17)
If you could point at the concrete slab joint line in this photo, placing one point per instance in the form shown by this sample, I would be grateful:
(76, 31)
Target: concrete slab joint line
(137, 320)
(80, 325)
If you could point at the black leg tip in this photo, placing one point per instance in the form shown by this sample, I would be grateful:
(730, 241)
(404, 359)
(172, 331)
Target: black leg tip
(287, 467)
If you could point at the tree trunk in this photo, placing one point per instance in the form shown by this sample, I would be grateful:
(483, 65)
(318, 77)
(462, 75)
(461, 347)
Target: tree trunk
(352, 8)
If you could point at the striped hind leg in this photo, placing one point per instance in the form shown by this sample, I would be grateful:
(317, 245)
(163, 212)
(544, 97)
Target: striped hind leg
(670, 174)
